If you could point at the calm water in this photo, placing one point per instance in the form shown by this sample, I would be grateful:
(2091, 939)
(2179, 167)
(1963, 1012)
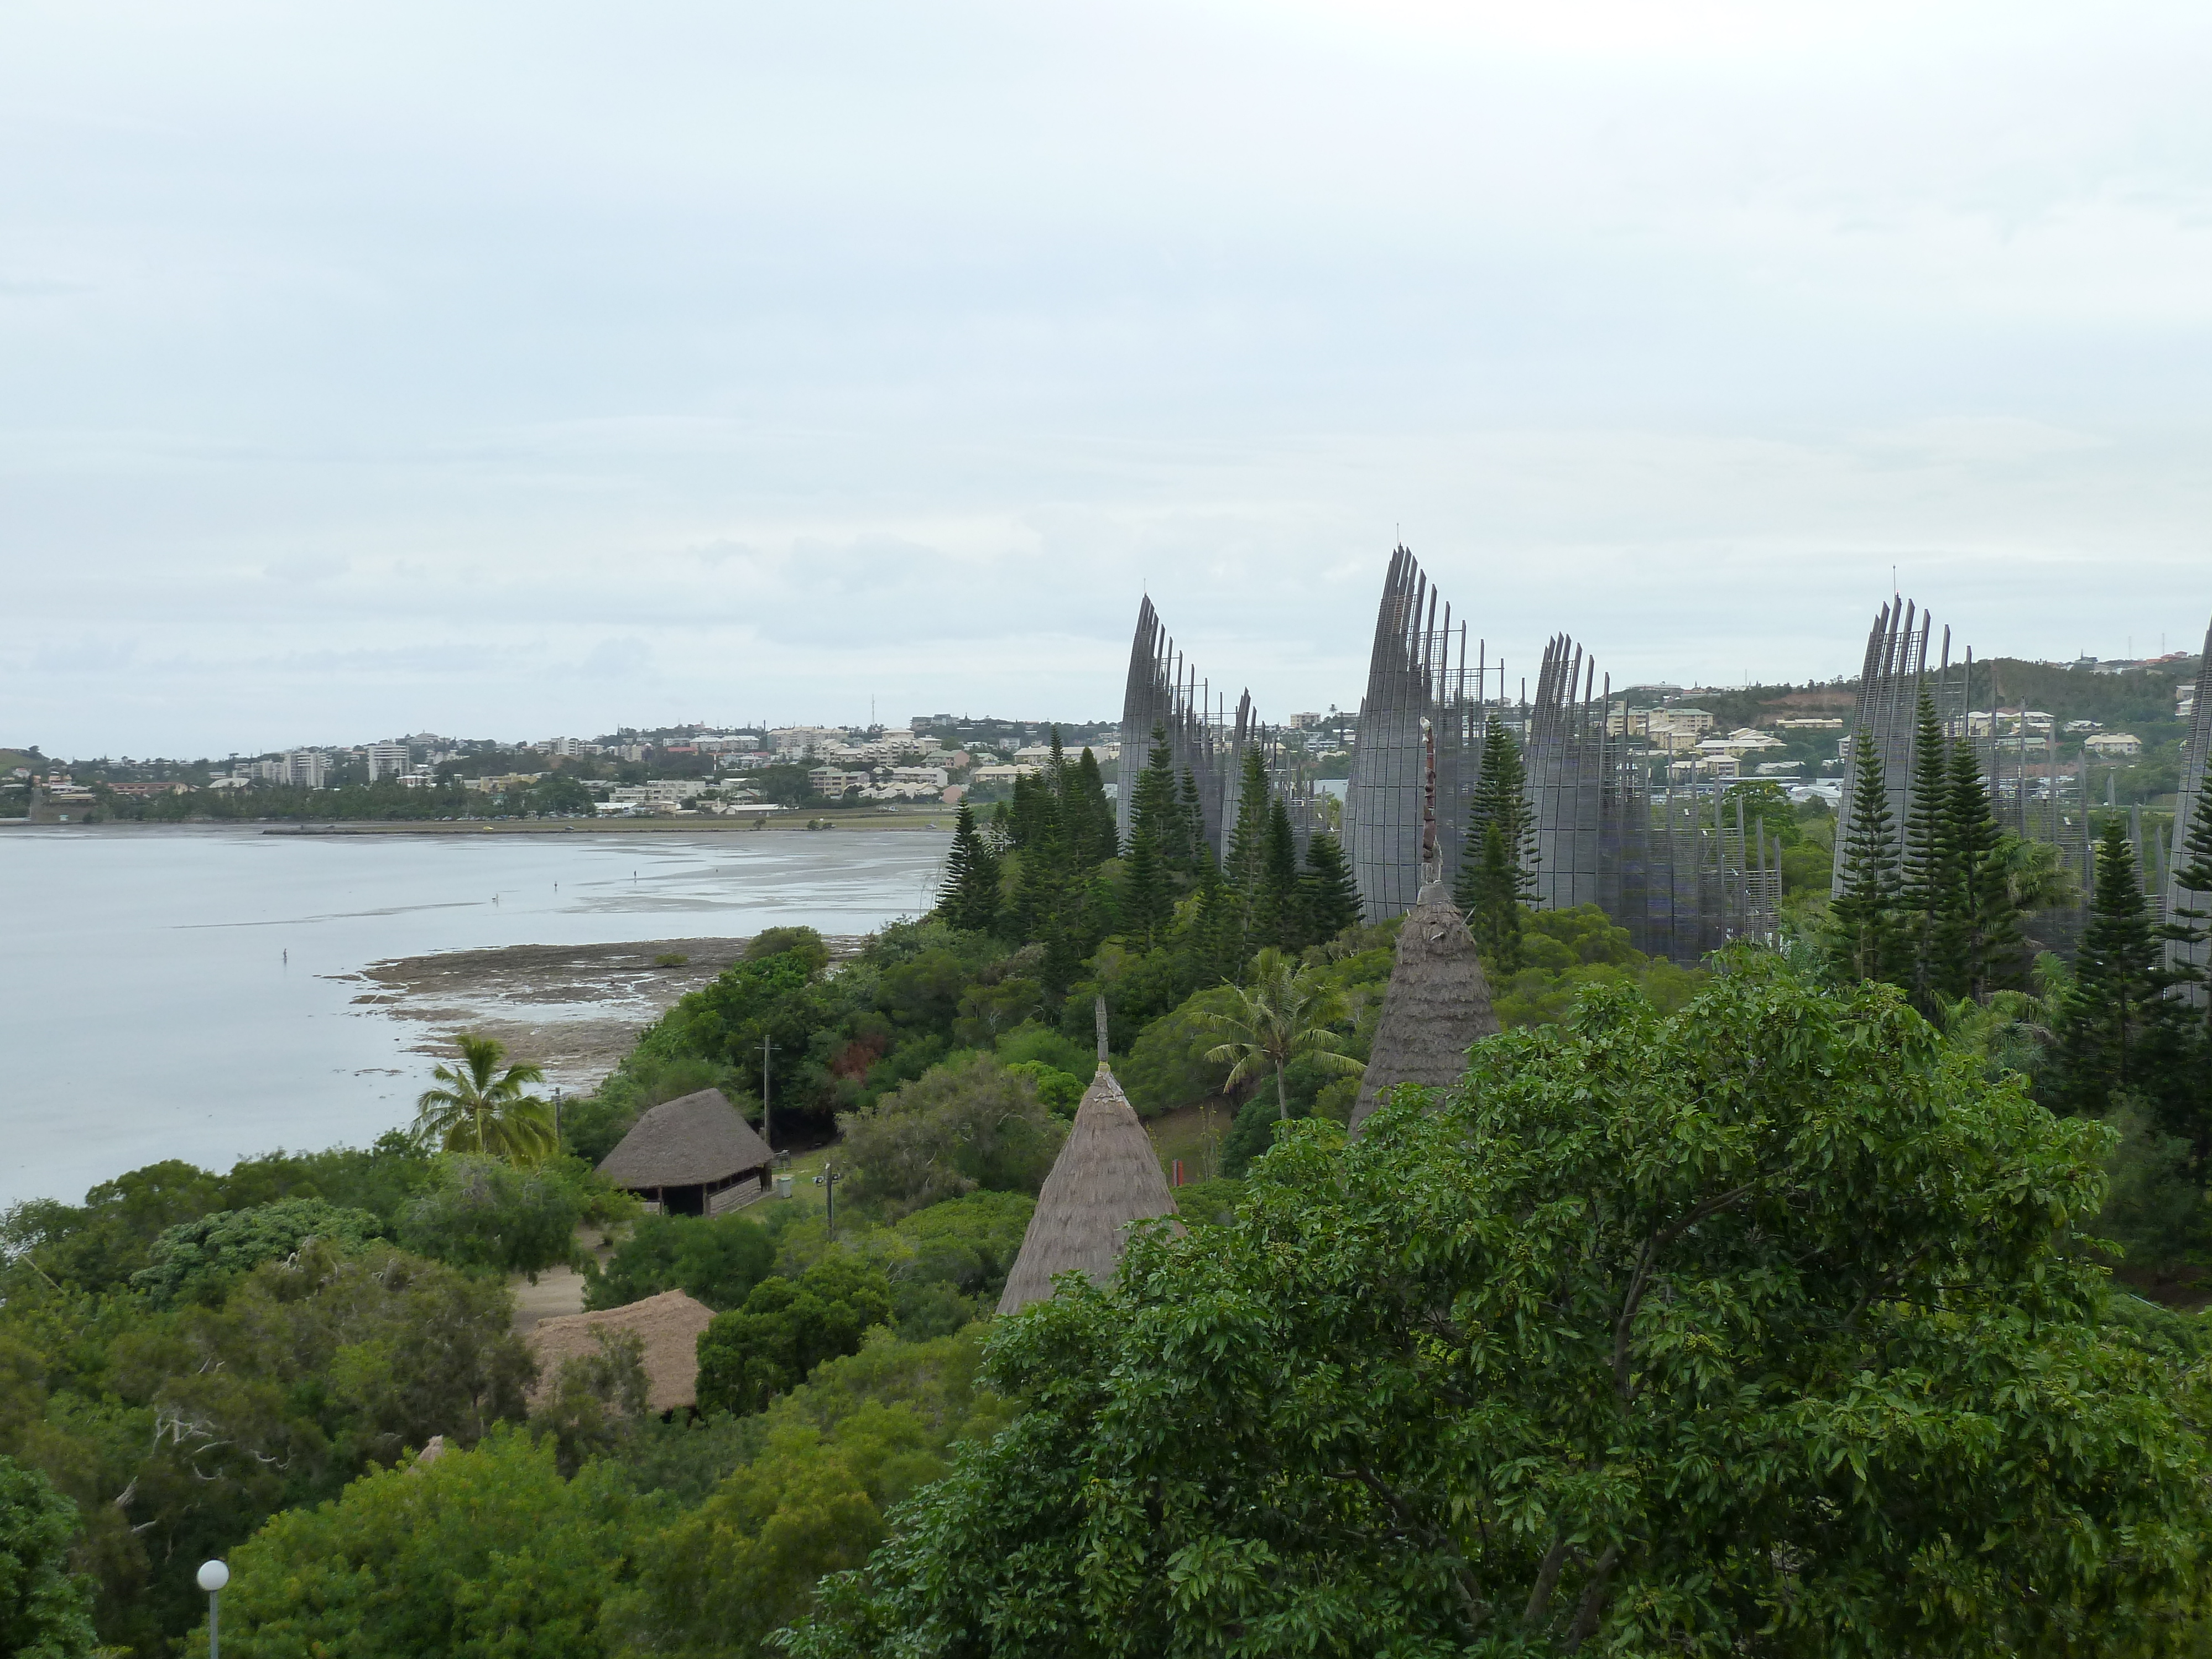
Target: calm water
(150, 1011)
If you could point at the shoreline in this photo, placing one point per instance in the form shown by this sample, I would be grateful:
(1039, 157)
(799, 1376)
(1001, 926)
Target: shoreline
(903, 823)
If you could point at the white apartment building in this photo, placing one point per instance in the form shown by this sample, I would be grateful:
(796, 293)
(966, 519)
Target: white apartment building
(2114, 745)
(385, 760)
(655, 792)
(833, 780)
(985, 775)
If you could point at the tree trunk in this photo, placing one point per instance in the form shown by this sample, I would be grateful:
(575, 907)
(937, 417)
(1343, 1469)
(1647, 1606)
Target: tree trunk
(1282, 1099)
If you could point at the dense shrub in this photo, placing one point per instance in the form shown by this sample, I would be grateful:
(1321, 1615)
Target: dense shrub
(970, 1123)
(481, 1213)
(785, 1328)
(199, 1260)
(716, 1259)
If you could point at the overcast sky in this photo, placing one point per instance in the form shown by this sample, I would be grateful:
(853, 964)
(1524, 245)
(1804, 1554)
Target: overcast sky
(525, 369)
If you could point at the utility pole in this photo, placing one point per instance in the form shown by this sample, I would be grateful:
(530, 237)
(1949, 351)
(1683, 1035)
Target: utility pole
(767, 1123)
(828, 1181)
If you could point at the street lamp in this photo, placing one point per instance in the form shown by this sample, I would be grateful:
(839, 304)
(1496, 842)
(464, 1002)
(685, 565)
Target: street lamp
(828, 1181)
(214, 1574)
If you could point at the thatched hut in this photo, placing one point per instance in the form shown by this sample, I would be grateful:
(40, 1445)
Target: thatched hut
(1106, 1177)
(1436, 1005)
(692, 1156)
(668, 1325)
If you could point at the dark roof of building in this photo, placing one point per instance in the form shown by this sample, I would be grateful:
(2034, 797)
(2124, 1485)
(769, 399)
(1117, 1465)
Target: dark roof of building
(1107, 1175)
(1436, 1006)
(686, 1142)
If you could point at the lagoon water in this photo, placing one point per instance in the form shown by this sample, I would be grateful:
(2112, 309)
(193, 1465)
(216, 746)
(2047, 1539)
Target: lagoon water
(151, 1011)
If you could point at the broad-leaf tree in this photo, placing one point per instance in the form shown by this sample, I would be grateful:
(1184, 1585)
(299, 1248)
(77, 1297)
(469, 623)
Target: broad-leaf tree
(1763, 1328)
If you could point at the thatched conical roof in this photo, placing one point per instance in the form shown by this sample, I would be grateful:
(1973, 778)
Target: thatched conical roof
(1436, 1005)
(669, 1325)
(689, 1141)
(1107, 1175)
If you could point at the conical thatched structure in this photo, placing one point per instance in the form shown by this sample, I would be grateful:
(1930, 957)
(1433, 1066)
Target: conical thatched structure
(1436, 1005)
(1106, 1177)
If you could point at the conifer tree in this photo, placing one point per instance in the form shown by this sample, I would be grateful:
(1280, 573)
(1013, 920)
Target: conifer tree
(1864, 938)
(1500, 798)
(1196, 850)
(1986, 927)
(1494, 877)
(1146, 902)
(1930, 901)
(1087, 814)
(2106, 1030)
(1330, 897)
(1277, 916)
(1153, 807)
(1247, 837)
(969, 896)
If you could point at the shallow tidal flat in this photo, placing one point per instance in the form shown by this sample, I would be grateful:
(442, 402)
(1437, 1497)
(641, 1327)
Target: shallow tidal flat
(573, 1009)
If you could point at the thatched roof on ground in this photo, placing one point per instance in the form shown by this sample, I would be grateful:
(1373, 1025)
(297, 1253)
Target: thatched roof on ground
(1107, 1175)
(685, 1143)
(1436, 1005)
(668, 1324)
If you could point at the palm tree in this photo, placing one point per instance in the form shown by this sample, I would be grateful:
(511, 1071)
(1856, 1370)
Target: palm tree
(478, 1109)
(1286, 1013)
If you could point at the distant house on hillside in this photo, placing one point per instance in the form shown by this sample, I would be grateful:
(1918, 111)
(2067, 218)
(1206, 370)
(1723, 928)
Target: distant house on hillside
(692, 1155)
(2114, 745)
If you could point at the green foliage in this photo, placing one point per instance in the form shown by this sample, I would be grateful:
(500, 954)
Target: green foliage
(716, 1259)
(596, 1401)
(2110, 1027)
(1763, 1327)
(968, 897)
(967, 1244)
(971, 1122)
(1497, 875)
(1212, 1203)
(482, 1213)
(1284, 1013)
(1866, 937)
(2153, 1206)
(45, 1610)
(1579, 950)
(864, 1433)
(785, 1328)
(482, 1552)
(1060, 1092)
(1253, 1133)
(198, 1261)
(1168, 1066)
(1327, 890)
(479, 1108)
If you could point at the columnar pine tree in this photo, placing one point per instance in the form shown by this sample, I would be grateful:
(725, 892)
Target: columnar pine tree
(1930, 880)
(1146, 903)
(1197, 851)
(1330, 897)
(1986, 927)
(2108, 1024)
(1495, 878)
(1087, 814)
(1278, 917)
(969, 896)
(1152, 807)
(1247, 837)
(1864, 935)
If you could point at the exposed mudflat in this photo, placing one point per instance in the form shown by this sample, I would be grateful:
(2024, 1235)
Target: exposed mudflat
(573, 1009)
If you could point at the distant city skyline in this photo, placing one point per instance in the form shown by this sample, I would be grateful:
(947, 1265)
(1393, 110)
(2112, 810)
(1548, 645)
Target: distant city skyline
(364, 370)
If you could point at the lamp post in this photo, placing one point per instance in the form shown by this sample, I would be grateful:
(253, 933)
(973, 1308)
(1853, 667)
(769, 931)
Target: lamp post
(828, 1181)
(556, 1120)
(768, 1120)
(214, 1574)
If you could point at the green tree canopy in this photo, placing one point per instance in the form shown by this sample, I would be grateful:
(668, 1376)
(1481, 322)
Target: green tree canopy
(198, 1261)
(785, 1328)
(969, 896)
(45, 1610)
(1759, 1329)
(971, 1122)
(716, 1259)
(1285, 1012)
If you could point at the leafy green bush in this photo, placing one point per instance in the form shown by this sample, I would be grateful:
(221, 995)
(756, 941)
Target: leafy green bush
(1058, 1091)
(716, 1259)
(785, 1328)
(46, 1611)
(199, 1260)
(968, 1244)
(481, 1213)
(969, 1123)
(1254, 1132)
(484, 1551)
(1166, 1067)
(1208, 1203)
(2154, 1211)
